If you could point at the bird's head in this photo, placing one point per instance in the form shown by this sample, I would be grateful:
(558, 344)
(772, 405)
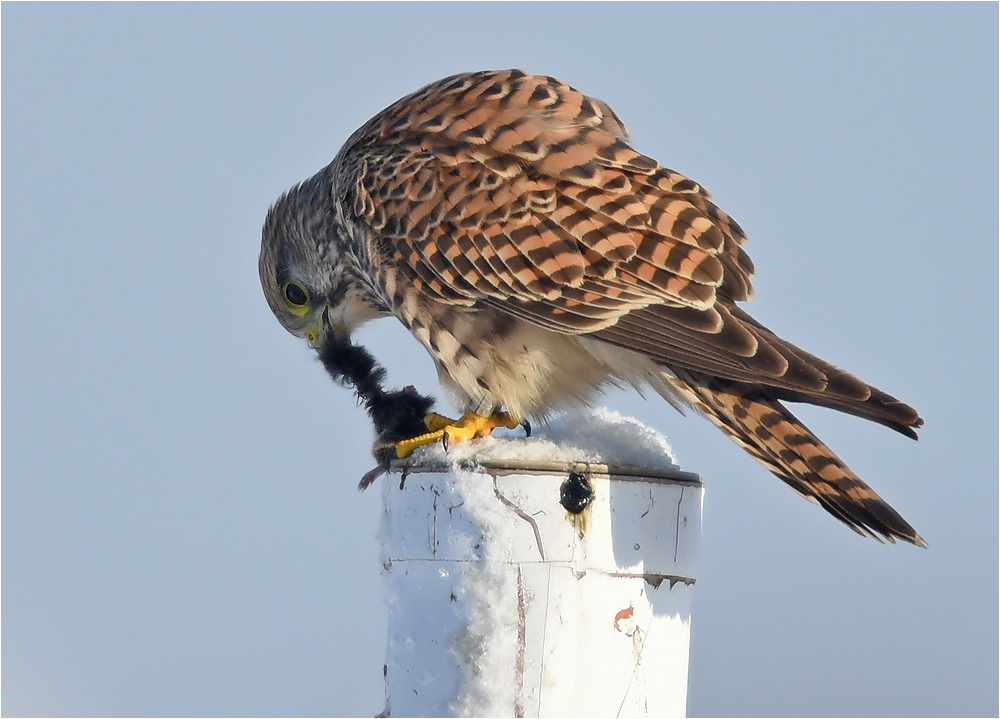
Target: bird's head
(306, 271)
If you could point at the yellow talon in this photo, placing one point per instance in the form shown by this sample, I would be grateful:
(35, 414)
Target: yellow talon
(436, 422)
(442, 429)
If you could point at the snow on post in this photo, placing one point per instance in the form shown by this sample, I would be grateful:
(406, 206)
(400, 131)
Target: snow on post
(549, 576)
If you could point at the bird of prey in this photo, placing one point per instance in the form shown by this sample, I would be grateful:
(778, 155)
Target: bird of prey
(507, 222)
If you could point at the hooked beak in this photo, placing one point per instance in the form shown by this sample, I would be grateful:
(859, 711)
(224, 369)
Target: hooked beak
(324, 326)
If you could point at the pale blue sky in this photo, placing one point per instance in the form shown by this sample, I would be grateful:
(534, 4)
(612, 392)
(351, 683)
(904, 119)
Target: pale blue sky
(181, 532)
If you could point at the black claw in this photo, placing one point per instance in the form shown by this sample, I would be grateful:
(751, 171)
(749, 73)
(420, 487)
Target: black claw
(370, 477)
(444, 441)
(527, 427)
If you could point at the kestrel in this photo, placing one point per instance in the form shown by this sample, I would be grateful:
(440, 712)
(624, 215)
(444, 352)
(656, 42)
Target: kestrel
(505, 220)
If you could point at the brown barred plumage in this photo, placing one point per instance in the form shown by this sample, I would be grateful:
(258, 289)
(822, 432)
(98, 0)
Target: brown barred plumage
(506, 221)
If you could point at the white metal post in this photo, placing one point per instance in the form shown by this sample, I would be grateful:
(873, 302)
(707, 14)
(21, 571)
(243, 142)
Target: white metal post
(503, 602)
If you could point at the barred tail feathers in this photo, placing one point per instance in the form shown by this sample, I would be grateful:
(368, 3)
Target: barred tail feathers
(777, 439)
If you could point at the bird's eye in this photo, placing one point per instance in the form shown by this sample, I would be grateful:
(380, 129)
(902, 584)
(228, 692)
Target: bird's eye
(296, 295)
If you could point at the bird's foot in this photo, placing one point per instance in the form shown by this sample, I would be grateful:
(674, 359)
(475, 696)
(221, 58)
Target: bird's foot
(445, 430)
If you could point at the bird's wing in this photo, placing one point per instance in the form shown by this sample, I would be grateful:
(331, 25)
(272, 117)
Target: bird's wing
(520, 189)
(519, 192)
